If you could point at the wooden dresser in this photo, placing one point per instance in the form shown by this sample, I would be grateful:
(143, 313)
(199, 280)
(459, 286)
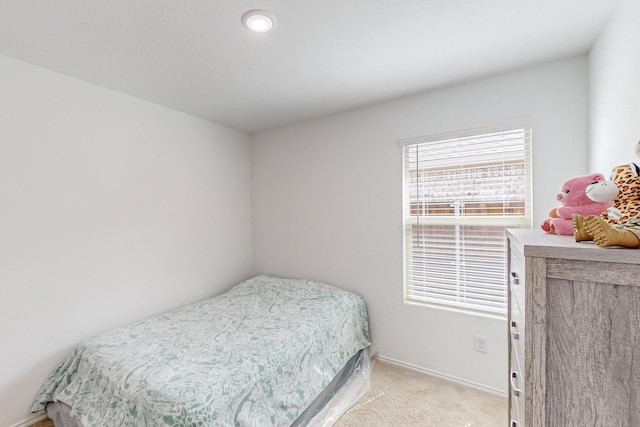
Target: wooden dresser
(574, 332)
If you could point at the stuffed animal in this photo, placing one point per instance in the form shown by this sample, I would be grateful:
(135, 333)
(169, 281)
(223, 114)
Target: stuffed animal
(626, 204)
(574, 200)
(620, 224)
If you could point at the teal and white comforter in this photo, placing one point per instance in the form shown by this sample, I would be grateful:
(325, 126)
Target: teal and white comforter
(256, 355)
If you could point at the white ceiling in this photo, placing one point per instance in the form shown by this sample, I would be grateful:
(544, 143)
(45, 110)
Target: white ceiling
(323, 57)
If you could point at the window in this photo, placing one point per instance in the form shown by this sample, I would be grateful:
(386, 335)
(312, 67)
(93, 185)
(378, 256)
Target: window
(460, 194)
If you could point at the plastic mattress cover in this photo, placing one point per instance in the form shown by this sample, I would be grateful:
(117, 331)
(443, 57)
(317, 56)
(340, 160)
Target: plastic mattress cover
(342, 393)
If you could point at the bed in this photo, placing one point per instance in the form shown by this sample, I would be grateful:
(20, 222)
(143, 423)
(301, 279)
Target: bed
(271, 351)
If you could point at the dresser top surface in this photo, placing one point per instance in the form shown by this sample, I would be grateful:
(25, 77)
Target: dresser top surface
(536, 243)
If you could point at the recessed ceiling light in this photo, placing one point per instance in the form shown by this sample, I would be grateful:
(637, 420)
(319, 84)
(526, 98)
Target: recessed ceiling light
(258, 20)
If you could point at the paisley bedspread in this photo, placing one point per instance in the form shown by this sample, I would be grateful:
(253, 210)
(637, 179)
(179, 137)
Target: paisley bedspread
(256, 355)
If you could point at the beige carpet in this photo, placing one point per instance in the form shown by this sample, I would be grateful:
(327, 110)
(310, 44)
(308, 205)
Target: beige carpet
(401, 397)
(44, 423)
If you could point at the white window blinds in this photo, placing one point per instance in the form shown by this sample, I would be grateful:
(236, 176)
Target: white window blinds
(459, 196)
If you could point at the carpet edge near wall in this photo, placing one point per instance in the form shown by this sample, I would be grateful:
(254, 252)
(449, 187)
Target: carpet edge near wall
(34, 419)
(501, 393)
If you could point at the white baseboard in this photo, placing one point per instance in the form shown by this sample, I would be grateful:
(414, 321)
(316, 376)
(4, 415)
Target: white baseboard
(471, 384)
(30, 421)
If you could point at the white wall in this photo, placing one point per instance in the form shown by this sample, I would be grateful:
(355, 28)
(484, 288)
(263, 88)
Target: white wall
(614, 89)
(112, 209)
(326, 200)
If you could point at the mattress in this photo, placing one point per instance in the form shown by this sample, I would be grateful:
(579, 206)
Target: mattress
(351, 383)
(257, 355)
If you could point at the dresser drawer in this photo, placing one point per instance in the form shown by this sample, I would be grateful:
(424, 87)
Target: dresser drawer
(517, 330)
(516, 391)
(517, 357)
(517, 280)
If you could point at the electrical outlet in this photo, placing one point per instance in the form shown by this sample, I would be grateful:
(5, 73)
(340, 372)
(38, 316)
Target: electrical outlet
(480, 343)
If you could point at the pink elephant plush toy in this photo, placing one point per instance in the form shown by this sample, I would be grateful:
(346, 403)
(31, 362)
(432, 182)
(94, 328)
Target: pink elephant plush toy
(574, 200)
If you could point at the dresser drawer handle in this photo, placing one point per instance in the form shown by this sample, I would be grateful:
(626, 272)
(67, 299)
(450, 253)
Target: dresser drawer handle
(513, 423)
(514, 278)
(514, 333)
(516, 392)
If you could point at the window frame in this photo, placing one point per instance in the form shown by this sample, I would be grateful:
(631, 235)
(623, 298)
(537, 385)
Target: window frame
(504, 221)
